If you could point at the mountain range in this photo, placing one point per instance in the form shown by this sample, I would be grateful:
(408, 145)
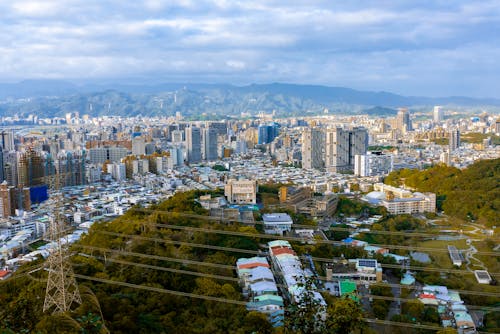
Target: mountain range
(49, 98)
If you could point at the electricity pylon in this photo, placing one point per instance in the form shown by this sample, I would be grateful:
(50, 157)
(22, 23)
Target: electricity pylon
(62, 290)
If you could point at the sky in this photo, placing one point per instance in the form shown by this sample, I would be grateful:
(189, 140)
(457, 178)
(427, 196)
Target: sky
(421, 47)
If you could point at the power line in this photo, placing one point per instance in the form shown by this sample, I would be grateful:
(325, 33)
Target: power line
(161, 290)
(155, 257)
(340, 229)
(222, 266)
(299, 239)
(230, 278)
(232, 301)
(392, 266)
(173, 270)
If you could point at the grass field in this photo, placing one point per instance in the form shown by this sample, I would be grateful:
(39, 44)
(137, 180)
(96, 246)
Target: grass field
(440, 256)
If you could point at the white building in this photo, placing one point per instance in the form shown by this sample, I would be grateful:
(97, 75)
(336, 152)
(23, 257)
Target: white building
(277, 223)
(373, 163)
(401, 201)
(241, 192)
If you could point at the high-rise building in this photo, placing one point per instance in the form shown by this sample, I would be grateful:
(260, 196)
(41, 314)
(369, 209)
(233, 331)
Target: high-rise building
(193, 142)
(454, 140)
(177, 136)
(99, 155)
(341, 147)
(313, 148)
(5, 205)
(403, 122)
(267, 133)
(209, 144)
(373, 163)
(138, 146)
(7, 140)
(438, 114)
(71, 168)
(30, 168)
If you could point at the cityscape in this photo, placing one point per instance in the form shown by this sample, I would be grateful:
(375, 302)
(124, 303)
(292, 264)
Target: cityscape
(134, 203)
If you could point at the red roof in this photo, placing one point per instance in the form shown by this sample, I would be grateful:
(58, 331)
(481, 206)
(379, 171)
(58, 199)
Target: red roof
(427, 295)
(283, 251)
(253, 265)
(4, 273)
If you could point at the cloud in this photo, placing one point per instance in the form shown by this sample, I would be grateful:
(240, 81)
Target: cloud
(416, 48)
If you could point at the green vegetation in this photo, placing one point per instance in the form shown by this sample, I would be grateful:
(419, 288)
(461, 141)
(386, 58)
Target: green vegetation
(381, 148)
(477, 138)
(220, 168)
(151, 247)
(472, 194)
(351, 207)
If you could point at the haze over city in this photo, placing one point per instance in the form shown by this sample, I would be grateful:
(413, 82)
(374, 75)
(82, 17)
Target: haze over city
(422, 48)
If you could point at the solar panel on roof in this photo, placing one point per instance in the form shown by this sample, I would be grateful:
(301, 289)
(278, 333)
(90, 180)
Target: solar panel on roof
(367, 263)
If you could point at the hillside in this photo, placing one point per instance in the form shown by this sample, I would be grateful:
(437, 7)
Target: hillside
(55, 98)
(469, 194)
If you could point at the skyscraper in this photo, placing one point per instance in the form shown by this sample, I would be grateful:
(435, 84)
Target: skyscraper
(267, 133)
(7, 140)
(342, 145)
(403, 122)
(454, 140)
(438, 114)
(193, 142)
(209, 144)
(313, 148)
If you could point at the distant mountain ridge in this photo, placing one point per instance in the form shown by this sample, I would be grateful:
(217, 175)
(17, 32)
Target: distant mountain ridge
(56, 97)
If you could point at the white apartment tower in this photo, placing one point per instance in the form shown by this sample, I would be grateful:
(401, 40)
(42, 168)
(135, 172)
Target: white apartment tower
(438, 114)
(342, 145)
(313, 148)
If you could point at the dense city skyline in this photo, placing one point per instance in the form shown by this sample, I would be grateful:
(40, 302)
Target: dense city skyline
(429, 48)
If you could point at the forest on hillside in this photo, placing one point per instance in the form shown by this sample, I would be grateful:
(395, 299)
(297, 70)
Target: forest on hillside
(471, 194)
(125, 269)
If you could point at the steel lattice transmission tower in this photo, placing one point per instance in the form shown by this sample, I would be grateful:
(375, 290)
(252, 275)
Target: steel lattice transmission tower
(62, 291)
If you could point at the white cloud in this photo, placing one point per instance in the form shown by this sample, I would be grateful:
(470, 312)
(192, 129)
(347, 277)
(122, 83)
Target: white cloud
(386, 44)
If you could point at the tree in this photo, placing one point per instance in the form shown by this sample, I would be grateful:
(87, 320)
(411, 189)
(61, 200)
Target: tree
(307, 315)
(344, 316)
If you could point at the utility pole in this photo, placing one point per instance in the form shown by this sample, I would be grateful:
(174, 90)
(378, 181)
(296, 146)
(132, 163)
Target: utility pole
(62, 291)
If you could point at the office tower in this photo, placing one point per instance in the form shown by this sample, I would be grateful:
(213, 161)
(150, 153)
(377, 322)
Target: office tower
(438, 114)
(219, 127)
(209, 144)
(372, 164)
(193, 142)
(138, 146)
(177, 136)
(176, 157)
(403, 122)
(267, 133)
(454, 140)
(313, 148)
(341, 147)
(7, 140)
(497, 126)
